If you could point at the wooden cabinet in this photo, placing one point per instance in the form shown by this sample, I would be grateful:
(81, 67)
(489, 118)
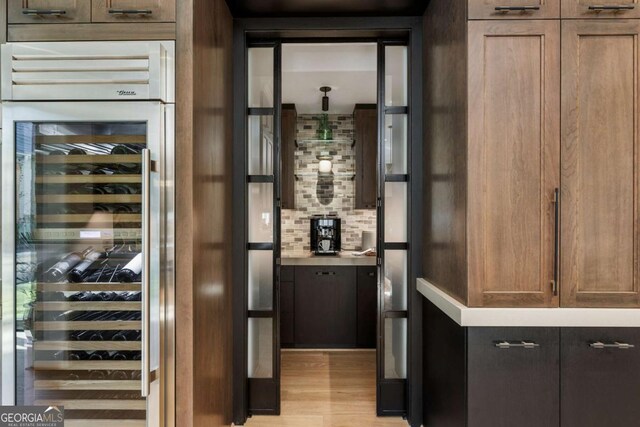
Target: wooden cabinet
(367, 306)
(514, 9)
(328, 306)
(508, 240)
(514, 128)
(600, 154)
(365, 117)
(133, 10)
(480, 377)
(287, 304)
(600, 377)
(325, 301)
(48, 11)
(511, 372)
(528, 377)
(80, 20)
(622, 9)
(288, 153)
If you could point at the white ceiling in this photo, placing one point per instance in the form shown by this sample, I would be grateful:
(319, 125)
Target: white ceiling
(349, 69)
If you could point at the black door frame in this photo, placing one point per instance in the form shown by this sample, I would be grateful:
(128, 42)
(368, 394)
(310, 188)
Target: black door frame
(328, 29)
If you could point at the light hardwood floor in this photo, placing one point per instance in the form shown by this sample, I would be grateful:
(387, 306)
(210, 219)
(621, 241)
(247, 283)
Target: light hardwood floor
(328, 389)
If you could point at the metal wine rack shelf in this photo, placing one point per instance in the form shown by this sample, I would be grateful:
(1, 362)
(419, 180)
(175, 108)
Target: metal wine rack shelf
(91, 139)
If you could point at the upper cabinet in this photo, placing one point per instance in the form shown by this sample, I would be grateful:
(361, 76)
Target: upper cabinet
(48, 11)
(288, 154)
(531, 157)
(514, 9)
(600, 9)
(133, 10)
(365, 118)
(600, 176)
(514, 147)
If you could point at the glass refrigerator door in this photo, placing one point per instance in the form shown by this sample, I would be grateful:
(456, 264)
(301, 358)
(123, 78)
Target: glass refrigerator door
(79, 260)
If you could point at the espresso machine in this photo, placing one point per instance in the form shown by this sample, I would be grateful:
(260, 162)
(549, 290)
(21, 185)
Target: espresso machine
(325, 235)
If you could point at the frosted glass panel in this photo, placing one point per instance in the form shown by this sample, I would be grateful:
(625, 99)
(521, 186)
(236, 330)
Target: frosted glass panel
(395, 348)
(396, 76)
(395, 144)
(395, 212)
(395, 280)
(260, 280)
(260, 348)
(260, 145)
(260, 212)
(260, 77)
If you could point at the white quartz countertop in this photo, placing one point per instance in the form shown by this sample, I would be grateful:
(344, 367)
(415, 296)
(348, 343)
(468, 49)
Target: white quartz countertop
(344, 258)
(528, 317)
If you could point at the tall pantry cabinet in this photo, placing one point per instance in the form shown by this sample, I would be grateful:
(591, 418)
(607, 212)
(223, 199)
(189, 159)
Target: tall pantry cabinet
(539, 147)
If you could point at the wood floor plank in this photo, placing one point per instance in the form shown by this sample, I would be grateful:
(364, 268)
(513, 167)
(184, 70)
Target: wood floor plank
(327, 389)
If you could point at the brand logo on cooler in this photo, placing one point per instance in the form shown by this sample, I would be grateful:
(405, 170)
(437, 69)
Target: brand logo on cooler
(127, 92)
(31, 416)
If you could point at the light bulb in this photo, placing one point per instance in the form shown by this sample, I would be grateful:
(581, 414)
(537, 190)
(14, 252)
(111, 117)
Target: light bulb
(324, 166)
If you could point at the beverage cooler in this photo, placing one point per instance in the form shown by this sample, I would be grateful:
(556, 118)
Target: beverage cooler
(87, 229)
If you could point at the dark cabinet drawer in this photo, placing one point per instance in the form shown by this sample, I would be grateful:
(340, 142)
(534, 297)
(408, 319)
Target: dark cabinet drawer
(511, 383)
(600, 378)
(325, 302)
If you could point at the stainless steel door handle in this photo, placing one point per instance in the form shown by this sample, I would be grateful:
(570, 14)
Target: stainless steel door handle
(612, 7)
(130, 12)
(146, 269)
(516, 8)
(519, 344)
(599, 345)
(44, 12)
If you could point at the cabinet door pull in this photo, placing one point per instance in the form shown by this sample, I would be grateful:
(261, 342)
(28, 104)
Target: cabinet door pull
(599, 345)
(556, 242)
(325, 273)
(521, 344)
(516, 8)
(44, 12)
(130, 12)
(612, 7)
(372, 274)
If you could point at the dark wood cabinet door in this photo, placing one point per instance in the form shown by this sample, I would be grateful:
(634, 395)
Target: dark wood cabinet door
(600, 176)
(600, 386)
(367, 307)
(288, 153)
(514, 155)
(48, 11)
(516, 386)
(325, 307)
(365, 117)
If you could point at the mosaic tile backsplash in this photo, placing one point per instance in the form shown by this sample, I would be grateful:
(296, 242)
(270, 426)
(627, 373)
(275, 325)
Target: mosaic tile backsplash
(322, 196)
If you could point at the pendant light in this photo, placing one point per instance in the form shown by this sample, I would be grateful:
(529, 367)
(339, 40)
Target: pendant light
(325, 98)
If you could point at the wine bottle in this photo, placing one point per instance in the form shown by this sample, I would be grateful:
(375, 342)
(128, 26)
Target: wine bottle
(127, 336)
(77, 152)
(78, 272)
(60, 268)
(129, 168)
(118, 375)
(97, 375)
(99, 355)
(131, 271)
(78, 355)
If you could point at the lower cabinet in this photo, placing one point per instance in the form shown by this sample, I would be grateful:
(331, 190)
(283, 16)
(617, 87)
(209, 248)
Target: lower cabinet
(600, 379)
(529, 377)
(511, 377)
(328, 306)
